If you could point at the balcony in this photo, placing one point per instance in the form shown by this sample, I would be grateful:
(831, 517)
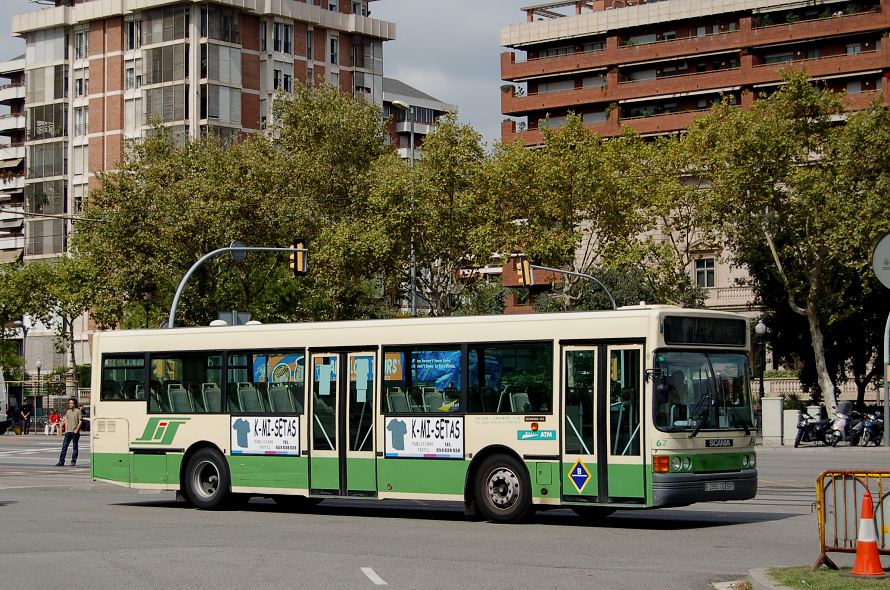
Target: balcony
(419, 128)
(12, 122)
(11, 183)
(729, 298)
(13, 151)
(743, 38)
(12, 92)
(821, 66)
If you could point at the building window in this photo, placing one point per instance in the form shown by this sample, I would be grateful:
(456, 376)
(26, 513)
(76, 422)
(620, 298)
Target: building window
(704, 272)
(276, 79)
(360, 8)
(288, 83)
(335, 51)
(281, 37)
(309, 44)
(333, 6)
(81, 44)
(854, 49)
(81, 87)
(263, 39)
(133, 34)
(310, 77)
(130, 78)
(81, 120)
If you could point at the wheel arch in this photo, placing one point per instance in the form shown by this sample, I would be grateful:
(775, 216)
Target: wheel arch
(470, 507)
(190, 452)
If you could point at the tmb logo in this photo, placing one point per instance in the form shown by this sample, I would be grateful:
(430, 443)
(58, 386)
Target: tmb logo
(160, 431)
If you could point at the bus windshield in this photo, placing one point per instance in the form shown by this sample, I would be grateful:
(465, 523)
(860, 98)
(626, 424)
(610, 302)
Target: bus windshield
(702, 391)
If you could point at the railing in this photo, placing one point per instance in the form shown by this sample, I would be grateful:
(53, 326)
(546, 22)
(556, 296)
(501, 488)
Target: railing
(663, 77)
(805, 60)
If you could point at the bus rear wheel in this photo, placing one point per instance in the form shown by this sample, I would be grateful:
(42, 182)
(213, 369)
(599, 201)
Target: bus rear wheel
(503, 492)
(207, 480)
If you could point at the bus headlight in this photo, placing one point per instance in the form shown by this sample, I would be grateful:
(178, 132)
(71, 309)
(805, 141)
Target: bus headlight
(753, 461)
(687, 463)
(744, 461)
(675, 464)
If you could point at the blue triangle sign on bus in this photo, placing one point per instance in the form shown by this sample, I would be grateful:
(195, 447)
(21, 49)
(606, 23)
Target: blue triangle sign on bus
(579, 475)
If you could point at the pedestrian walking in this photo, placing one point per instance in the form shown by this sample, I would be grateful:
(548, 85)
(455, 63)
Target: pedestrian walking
(73, 420)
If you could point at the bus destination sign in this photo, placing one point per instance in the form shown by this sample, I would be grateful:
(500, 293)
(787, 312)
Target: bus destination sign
(704, 331)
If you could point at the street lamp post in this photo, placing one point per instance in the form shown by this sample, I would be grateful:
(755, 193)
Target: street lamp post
(23, 326)
(39, 365)
(148, 295)
(760, 330)
(409, 114)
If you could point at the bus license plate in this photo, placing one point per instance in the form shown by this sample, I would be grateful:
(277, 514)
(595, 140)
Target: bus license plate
(718, 442)
(719, 486)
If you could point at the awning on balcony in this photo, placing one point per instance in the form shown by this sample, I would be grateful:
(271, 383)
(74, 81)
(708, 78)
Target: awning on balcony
(676, 94)
(792, 5)
(10, 163)
(7, 256)
(11, 224)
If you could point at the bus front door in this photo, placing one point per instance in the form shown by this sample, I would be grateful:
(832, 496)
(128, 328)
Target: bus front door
(602, 457)
(341, 441)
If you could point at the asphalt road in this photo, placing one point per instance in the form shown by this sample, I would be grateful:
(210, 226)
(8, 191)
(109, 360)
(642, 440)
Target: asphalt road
(61, 529)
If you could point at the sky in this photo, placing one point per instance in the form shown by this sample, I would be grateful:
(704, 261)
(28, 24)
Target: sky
(445, 48)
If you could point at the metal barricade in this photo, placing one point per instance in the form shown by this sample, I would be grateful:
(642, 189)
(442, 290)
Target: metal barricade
(839, 506)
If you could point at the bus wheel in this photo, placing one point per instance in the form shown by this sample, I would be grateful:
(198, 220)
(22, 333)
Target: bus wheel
(207, 479)
(592, 513)
(503, 492)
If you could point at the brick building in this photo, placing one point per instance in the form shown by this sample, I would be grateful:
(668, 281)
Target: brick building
(656, 66)
(99, 72)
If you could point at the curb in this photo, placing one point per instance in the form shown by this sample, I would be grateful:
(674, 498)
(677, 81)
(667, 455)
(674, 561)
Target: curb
(761, 581)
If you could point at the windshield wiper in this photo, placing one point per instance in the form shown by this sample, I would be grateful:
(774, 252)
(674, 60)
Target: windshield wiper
(701, 419)
(735, 422)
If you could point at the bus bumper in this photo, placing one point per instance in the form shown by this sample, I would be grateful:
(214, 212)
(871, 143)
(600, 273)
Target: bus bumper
(681, 489)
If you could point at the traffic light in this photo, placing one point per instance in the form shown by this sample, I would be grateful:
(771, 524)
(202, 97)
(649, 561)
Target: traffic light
(298, 259)
(524, 271)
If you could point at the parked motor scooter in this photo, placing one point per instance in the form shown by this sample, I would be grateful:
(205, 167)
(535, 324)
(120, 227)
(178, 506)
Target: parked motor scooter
(872, 429)
(810, 429)
(843, 427)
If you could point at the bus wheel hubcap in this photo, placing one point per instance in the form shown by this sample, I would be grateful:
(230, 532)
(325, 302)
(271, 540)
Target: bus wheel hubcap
(206, 479)
(503, 488)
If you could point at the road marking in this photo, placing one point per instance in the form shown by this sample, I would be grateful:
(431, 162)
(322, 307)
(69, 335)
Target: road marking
(372, 575)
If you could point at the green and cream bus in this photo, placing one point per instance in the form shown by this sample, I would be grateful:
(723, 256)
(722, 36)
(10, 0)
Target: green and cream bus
(640, 407)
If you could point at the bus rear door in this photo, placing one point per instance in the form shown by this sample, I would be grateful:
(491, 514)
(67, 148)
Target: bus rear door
(341, 441)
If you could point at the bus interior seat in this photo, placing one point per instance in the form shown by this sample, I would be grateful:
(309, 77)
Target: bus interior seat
(280, 399)
(212, 396)
(130, 388)
(397, 401)
(249, 398)
(295, 390)
(111, 390)
(519, 402)
(139, 391)
(180, 398)
(489, 399)
(432, 400)
(158, 403)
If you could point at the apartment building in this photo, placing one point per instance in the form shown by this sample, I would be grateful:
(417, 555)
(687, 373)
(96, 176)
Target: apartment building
(410, 115)
(656, 66)
(100, 72)
(12, 158)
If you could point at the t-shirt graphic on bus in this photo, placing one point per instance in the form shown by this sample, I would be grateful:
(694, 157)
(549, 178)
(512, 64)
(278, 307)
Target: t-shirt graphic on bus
(242, 428)
(398, 430)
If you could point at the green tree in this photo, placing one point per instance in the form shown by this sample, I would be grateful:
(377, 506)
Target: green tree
(786, 176)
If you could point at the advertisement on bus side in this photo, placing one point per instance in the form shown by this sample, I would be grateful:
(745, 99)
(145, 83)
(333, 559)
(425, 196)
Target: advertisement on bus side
(433, 437)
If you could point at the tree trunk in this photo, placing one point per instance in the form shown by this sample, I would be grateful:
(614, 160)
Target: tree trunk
(818, 342)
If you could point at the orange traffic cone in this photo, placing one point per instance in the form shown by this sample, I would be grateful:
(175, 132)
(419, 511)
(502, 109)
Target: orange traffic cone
(868, 562)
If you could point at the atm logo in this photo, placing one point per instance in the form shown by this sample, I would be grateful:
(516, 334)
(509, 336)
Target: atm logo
(161, 431)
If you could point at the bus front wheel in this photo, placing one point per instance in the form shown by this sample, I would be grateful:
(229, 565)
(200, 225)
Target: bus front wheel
(503, 492)
(207, 479)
